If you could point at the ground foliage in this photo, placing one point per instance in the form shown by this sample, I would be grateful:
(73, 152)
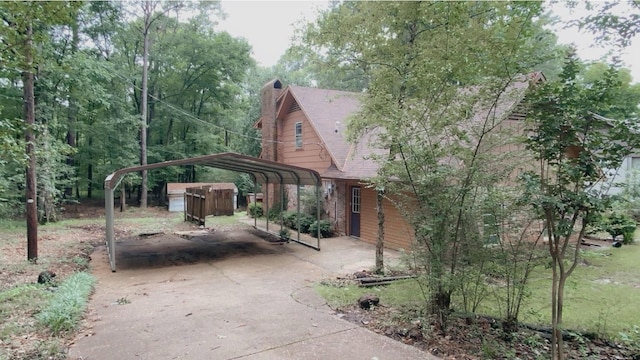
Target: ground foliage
(470, 336)
(34, 324)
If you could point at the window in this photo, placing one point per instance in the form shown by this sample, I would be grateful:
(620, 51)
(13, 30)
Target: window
(298, 135)
(355, 200)
(635, 163)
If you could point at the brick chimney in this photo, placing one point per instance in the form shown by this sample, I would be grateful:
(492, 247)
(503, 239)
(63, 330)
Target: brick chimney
(268, 96)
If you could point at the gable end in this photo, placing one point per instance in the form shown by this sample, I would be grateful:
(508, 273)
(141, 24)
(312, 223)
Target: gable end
(294, 107)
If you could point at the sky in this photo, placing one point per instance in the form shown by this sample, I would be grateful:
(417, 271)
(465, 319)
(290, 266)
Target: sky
(268, 26)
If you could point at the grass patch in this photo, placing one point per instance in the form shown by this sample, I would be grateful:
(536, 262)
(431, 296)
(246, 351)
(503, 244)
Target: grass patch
(225, 220)
(401, 294)
(601, 296)
(12, 225)
(17, 305)
(64, 311)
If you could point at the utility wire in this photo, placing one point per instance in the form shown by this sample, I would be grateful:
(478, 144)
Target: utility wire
(195, 119)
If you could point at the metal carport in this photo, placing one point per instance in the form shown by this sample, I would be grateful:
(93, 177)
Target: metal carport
(263, 171)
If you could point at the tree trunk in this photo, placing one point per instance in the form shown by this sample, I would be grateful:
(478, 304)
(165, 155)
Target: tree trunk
(144, 102)
(123, 200)
(558, 330)
(29, 118)
(90, 180)
(380, 240)
(72, 111)
(556, 341)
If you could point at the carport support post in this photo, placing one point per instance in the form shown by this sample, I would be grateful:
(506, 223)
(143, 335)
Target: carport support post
(318, 213)
(282, 206)
(298, 215)
(266, 198)
(108, 198)
(255, 201)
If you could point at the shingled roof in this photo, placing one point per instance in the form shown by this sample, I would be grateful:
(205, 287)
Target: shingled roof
(329, 110)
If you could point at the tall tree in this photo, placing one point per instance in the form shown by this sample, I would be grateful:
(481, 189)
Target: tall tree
(573, 146)
(148, 8)
(431, 66)
(24, 25)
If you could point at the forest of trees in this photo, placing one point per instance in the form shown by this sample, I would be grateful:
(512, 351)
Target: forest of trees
(87, 62)
(87, 88)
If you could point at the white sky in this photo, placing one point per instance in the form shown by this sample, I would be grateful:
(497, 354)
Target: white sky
(269, 25)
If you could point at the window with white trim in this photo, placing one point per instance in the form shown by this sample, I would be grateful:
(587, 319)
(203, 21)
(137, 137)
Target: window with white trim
(299, 135)
(355, 200)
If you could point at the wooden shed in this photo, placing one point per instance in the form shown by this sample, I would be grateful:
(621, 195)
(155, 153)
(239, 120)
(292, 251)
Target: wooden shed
(175, 193)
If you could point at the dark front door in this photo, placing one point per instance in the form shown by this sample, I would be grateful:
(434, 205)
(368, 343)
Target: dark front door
(355, 211)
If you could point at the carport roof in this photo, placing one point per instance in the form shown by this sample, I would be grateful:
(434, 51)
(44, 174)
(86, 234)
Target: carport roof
(261, 170)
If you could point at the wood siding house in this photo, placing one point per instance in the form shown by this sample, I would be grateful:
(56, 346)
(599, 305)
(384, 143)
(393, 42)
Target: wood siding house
(306, 127)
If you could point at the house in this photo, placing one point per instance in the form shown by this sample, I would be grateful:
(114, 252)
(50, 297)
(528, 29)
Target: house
(175, 193)
(629, 172)
(306, 127)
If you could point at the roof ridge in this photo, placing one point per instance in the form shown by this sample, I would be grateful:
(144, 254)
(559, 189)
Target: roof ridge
(323, 89)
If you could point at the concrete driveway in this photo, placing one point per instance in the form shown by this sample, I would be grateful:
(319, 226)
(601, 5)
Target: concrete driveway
(230, 295)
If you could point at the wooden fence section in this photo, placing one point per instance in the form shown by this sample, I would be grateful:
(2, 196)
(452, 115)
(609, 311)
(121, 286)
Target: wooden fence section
(201, 202)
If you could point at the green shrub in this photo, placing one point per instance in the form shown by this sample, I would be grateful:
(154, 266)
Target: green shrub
(324, 226)
(617, 223)
(274, 212)
(64, 311)
(305, 223)
(290, 219)
(255, 210)
(278, 207)
(309, 204)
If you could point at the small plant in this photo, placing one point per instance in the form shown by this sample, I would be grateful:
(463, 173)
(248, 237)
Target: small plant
(285, 233)
(630, 337)
(81, 262)
(255, 210)
(65, 309)
(123, 301)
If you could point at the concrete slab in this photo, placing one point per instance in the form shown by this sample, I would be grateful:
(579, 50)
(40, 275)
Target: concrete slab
(228, 296)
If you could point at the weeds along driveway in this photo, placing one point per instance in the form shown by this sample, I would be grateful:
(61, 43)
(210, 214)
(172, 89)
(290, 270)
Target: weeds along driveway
(229, 295)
